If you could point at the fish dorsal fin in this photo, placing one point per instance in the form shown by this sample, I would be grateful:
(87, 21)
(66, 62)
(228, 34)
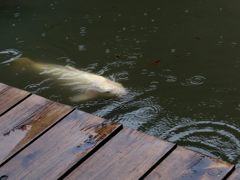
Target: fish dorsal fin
(71, 68)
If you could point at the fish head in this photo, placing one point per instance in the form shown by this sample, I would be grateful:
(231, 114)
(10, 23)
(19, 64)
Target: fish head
(113, 89)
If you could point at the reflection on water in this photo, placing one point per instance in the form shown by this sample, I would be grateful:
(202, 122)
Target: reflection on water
(9, 55)
(179, 61)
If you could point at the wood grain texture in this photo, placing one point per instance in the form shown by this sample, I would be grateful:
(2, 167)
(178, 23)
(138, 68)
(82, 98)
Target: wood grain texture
(126, 156)
(3, 86)
(9, 96)
(55, 152)
(183, 164)
(26, 121)
(235, 175)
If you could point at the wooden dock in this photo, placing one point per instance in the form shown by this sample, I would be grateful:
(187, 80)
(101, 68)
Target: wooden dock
(42, 139)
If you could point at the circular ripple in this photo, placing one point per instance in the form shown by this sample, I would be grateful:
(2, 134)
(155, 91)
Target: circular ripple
(139, 112)
(194, 81)
(147, 112)
(131, 110)
(119, 76)
(215, 138)
(115, 66)
(170, 78)
(113, 108)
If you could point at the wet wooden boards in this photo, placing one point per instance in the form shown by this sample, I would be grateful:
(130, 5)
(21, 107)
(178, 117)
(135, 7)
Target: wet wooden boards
(186, 164)
(235, 175)
(54, 153)
(9, 96)
(41, 139)
(26, 121)
(127, 156)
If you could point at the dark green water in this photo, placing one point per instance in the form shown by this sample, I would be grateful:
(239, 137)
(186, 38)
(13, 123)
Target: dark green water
(180, 61)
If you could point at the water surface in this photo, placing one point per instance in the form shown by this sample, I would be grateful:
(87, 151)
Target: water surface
(180, 61)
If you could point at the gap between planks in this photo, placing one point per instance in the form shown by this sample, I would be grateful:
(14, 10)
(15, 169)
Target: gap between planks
(11, 97)
(26, 122)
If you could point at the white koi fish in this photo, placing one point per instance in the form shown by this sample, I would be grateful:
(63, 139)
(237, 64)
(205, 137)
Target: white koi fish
(86, 84)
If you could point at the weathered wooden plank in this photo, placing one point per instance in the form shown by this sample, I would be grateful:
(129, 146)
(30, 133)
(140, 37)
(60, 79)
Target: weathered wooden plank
(186, 164)
(26, 121)
(9, 96)
(56, 151)
(3, 86)
(126, 156)
(235, 175)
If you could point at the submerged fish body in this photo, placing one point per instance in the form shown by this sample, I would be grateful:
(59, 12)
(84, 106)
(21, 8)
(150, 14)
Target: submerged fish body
(86, 85)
